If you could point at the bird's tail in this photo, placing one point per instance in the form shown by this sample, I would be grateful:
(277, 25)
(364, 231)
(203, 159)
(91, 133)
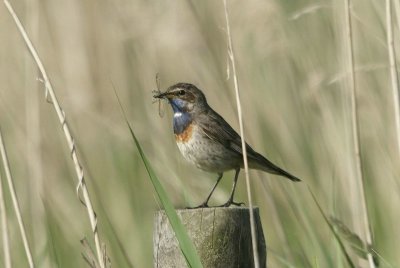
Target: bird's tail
(261, 163)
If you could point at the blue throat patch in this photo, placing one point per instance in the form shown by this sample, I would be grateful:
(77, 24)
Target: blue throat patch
(181, 119)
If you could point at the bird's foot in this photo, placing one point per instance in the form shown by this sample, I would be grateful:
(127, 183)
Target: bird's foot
(202, 205)
(231, 202)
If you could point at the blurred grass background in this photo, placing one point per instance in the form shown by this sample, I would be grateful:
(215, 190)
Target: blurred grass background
(292, 69)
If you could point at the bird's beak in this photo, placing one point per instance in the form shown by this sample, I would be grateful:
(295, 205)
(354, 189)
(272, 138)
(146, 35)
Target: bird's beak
(163, 95)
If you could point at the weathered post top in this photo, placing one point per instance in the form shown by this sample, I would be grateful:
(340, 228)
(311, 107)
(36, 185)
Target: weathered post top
(221, 236)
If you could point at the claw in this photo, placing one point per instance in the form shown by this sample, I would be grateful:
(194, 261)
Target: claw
(202, 205)
(238, 204)
(231, 202)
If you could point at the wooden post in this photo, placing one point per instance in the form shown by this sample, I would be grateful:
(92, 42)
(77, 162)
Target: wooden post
(221, 236)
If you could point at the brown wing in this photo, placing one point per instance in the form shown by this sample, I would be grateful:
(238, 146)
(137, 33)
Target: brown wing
(216, 128)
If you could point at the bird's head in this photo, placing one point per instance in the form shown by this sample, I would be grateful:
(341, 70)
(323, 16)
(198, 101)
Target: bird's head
(184, 97)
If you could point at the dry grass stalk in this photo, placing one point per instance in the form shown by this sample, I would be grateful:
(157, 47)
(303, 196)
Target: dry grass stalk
(393, 68)
(4, 228)
(356, 132)
(15, 201)
(71, 144)
(246, 166)
(397, 12)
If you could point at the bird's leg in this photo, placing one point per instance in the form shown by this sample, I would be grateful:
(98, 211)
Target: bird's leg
(230, 200)
(205, 203)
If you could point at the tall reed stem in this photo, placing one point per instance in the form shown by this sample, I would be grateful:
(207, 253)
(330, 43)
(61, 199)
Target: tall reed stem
(246, 166)
(393, 69)
(4, 228)
(356, 132)
(15, 201)
(70, 140)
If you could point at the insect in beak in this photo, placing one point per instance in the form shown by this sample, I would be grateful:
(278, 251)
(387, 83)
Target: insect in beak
(160, 106)
(161, 95)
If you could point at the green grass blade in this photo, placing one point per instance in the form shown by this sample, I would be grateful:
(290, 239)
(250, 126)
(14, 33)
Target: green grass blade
(185, 244)
(341, 245)
(355, 242)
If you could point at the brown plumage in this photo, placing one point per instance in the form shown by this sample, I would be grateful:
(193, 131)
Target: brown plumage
(208, 141)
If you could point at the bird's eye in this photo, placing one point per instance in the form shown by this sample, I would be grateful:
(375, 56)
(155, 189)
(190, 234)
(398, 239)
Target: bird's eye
(181, 92)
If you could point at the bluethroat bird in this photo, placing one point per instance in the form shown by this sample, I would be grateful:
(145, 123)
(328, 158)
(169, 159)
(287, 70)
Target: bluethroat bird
(208, 141)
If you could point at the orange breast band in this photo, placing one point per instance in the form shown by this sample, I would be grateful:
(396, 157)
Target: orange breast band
(185, 135)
